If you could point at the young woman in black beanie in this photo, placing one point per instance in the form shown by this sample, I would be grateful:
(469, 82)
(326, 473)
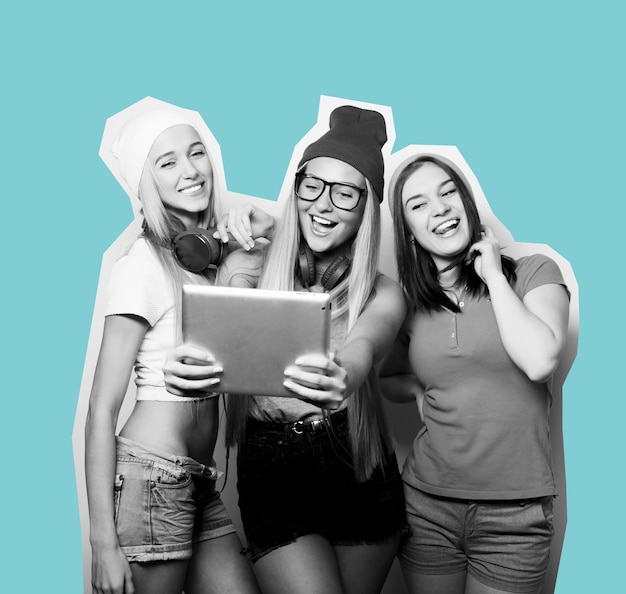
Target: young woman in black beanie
(319, 489)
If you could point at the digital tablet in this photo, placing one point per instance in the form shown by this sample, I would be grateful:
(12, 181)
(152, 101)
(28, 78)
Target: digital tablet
(255, 334)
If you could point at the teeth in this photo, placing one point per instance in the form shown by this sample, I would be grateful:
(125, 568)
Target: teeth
(321, 221)
(191, 189)
(444, 227)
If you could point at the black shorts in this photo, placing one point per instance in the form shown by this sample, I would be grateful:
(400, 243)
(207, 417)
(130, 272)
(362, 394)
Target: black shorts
(299, 480)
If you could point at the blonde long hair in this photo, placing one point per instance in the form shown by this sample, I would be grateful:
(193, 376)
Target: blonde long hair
(369, 435)
(160, 226)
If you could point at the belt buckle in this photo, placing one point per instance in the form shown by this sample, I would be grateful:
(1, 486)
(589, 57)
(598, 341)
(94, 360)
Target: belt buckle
(317, 425)
(298, 427)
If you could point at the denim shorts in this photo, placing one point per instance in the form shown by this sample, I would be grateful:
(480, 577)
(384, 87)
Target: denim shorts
(297, 482)
(164, 503)
(502, 544)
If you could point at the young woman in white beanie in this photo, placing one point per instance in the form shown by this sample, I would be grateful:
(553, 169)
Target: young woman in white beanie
(157, 523)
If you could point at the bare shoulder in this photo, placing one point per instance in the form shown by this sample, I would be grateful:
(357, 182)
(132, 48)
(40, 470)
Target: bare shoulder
(389, 294)
(388, 287)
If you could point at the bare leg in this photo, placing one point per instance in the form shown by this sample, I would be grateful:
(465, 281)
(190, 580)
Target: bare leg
(473, 586)
(418, 583)
(306, 566)
(159, 577)
(364, 568)
(219, 567)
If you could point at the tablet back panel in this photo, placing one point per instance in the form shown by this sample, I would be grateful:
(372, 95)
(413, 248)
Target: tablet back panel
(255, 334)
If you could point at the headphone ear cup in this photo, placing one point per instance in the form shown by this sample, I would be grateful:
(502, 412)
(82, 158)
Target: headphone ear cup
(336, 272)
(196, 249)
(333, 275)
(306, 265)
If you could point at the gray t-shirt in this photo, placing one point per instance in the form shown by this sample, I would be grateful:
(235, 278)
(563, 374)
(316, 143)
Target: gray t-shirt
(486, 431)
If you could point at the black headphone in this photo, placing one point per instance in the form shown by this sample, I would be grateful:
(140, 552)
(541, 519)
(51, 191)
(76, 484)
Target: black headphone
(333, 275)
(196, 249)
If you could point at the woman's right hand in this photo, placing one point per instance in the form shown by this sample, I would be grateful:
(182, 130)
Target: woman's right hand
(189, 371)
(110, 572)
(486, 256)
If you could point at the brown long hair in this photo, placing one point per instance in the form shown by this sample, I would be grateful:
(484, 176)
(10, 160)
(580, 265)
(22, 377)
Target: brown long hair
(416, 268)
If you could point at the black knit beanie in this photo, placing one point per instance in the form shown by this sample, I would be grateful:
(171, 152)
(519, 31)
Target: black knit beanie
(356, 137)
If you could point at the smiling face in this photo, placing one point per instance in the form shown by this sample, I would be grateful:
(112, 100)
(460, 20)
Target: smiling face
(434, 212)
(183, 173)
(323, 226)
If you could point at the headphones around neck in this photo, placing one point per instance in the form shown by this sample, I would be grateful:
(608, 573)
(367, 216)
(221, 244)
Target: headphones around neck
(337, 270)
(196, 249)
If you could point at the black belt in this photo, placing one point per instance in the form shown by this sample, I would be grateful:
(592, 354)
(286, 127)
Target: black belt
(300, 427)
(297, 427)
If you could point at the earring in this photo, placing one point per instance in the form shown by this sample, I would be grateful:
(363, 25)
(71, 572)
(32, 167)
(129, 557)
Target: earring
(414, 241)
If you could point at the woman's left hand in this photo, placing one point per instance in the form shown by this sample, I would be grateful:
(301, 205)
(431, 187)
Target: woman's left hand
(486, 256)
(318, 380)
(244, 224)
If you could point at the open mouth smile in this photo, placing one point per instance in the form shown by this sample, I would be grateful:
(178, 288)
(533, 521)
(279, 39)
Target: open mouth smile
(321, 226)
(192, 189)
(447, 227)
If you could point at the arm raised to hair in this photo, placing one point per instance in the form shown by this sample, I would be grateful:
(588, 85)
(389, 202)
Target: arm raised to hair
(121, 339)
(328, 381)
(533, 330)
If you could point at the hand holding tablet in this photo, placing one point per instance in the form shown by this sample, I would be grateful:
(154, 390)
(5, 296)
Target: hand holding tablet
(254, 335)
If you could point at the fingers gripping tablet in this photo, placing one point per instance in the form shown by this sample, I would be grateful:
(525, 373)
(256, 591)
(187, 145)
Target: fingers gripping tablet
(255, 334)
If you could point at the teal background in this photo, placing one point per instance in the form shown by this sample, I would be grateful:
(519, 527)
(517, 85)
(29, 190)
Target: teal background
(531, 93)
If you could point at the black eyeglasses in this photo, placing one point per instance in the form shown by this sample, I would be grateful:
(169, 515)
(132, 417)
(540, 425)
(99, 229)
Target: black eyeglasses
(343, 196)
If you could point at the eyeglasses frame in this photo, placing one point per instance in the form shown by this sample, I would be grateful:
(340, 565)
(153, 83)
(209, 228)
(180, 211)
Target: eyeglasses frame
(301, 175)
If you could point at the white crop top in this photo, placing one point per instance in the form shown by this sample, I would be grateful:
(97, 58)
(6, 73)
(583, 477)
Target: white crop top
(139, 286)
